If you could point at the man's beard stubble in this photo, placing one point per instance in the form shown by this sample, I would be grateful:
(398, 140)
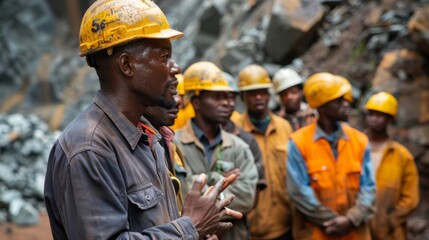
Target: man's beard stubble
(163, 102)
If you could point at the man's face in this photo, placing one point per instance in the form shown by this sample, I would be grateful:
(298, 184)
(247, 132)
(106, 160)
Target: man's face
(337, 109)
(161, 116)
(377, 121)
(213, 106)
(155, 73)
(256, 101)
(291, 99)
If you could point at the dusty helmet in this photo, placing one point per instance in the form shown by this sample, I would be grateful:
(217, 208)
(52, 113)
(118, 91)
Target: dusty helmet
(108, 23)
(253, 77)
(323, 87)
(205, 76)
(383, 102)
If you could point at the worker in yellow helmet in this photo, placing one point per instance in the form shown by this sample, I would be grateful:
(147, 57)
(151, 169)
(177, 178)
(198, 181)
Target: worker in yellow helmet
(107, 176)
(396, 173)
(329, 174)
(209, 149)
(271, 218)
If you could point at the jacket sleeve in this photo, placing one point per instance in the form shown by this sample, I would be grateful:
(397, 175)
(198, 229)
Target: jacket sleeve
(244, 188)
(96, 206)
(299, 189)
(409, 192)
(365, 203)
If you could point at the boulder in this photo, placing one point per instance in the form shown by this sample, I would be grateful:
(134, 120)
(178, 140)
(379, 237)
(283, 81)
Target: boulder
(292, 27)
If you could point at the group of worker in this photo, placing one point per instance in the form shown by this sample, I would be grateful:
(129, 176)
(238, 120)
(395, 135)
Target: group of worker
(161, 155)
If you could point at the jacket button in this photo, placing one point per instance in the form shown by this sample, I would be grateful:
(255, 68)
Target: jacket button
(147, 198)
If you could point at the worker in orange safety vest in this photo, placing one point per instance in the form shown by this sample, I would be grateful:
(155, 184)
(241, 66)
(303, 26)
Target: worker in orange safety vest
(329, 175)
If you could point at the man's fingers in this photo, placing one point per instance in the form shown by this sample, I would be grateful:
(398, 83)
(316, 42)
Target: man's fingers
(225, 202)
(227, 211)
(223, 226)
(231, 178)
(329, 230)
(233, 214)
(329, 223)
(217, 189)
(198, 184)
(208, 190)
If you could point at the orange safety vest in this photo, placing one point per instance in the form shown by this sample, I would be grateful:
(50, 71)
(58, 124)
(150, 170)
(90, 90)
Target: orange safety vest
(335, 182)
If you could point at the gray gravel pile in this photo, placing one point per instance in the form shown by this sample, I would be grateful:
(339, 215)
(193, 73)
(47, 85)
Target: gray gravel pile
(25, 143)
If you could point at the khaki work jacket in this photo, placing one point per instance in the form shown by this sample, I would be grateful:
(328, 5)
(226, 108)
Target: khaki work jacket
(397, 182)
(271, 217)
(236, 153)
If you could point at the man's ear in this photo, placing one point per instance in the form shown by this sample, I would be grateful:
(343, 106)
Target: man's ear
(125, 64)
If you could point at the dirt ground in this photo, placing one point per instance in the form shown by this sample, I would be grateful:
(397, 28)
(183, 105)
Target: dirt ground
(41, 231)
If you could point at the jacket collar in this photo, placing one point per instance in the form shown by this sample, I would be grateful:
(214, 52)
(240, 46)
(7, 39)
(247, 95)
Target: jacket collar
(248, 126)
(188, 136)
(319, 133)
(125, 127)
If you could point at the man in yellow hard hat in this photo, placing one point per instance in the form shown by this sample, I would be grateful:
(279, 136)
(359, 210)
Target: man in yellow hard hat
(271, 218)
(107, 176)
(396, 173)
(288, 86)
(209, 149)
(329, 173)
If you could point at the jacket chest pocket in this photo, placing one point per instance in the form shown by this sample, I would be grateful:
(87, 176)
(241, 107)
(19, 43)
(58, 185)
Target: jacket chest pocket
(320, 177)
(145, 197)
(322, 182)
(144, 207)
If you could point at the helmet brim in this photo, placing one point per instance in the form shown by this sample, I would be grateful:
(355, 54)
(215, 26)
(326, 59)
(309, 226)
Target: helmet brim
(166, 34)
(255, 87)
(219, 89)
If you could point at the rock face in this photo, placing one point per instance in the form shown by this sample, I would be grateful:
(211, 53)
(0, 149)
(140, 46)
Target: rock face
(292, 26)
(418, 26)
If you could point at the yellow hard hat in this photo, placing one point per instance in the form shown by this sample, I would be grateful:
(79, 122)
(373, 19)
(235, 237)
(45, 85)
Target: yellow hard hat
(253, 77)
(323, 87)
(180, 86)
(108, 23)
(383, 102)
(349, 95)
(204, 76)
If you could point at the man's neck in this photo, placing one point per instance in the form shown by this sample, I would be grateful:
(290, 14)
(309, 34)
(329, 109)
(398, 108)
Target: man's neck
(377, 136)
(327, 125)
(210, 130)
(258, 116)
(127, 106)
(291, 113)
